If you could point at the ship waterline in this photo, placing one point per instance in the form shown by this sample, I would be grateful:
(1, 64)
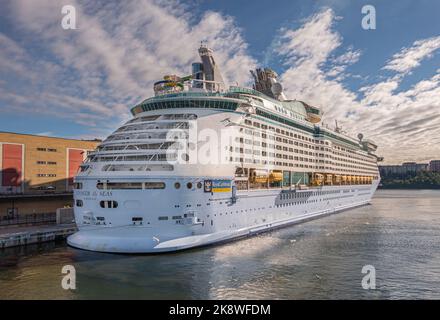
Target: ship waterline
(147, 189)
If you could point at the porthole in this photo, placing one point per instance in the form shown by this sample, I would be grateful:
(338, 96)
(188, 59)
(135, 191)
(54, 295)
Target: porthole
(177, 185)
(189, 185)
(79, 203)
(199, 185)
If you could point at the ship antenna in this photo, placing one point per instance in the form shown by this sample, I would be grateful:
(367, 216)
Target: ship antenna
(337, 128)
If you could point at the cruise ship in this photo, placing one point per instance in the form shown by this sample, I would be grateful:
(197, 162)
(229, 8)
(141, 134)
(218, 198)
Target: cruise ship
(201, 163)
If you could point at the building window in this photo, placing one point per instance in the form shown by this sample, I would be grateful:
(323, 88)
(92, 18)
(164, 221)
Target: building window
(41, 149)
(77, 185)
(46, 162)
(46, 175)
(52, 150)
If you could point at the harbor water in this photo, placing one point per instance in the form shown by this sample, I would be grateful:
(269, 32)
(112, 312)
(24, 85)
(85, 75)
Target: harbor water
(398, 235)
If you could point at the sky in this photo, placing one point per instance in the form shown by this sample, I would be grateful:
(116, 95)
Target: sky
(81, 83)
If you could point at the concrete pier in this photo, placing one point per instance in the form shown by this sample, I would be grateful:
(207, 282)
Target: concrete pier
(19, 236)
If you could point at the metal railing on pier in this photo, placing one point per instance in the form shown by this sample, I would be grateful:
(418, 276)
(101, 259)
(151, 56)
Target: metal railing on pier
(29, 219)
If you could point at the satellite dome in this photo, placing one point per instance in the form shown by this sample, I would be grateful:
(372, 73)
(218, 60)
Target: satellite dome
(277, 89)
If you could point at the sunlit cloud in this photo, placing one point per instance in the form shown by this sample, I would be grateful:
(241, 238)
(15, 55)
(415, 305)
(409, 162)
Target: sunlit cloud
(411, 57)
(111, 61)
(403, 123)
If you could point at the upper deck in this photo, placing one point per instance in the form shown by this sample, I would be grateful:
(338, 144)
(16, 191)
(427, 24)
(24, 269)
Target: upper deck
(204, 88)
(292, 113)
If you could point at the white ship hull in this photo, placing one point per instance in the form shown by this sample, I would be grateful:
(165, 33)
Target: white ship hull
(222, 220)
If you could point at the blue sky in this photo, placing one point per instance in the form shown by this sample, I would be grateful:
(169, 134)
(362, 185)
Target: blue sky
(81, 83)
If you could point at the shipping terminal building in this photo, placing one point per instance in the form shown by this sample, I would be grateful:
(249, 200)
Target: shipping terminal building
(37, 172)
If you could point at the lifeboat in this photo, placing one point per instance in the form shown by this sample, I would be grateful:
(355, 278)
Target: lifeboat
(328, 178)
(258, 176)
(276, 176)
(318, 179)
(314, 114)
(344, 179)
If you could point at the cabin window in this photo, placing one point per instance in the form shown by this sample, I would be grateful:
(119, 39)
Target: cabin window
(154, 185)
(124, 185)
(119, 185)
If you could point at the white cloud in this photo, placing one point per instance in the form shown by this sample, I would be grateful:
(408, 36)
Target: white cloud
(306, 51)
(410, 58)
(349, 57)
(405, 124)
(312, 42)
(111, 61)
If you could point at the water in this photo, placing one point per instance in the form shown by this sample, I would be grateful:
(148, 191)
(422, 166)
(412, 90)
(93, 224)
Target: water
(399, 234)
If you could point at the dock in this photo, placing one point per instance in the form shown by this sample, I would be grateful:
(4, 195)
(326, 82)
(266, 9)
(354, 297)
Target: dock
(21, 236)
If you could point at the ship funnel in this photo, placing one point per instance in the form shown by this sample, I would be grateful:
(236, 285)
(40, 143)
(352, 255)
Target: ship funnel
(211, 72)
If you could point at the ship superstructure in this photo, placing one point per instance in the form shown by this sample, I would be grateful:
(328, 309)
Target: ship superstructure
(200, 163)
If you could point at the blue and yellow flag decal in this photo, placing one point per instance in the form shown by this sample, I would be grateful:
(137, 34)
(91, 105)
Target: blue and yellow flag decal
(217, 186)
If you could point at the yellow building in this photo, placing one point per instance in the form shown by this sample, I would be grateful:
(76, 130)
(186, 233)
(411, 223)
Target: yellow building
(38, 165)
